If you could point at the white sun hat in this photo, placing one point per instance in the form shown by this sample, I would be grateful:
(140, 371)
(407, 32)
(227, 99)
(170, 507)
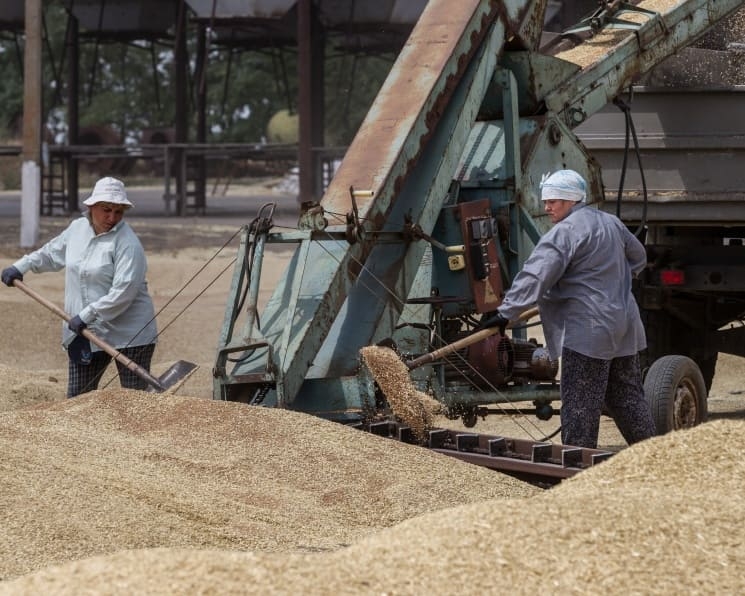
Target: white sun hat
(109, 190)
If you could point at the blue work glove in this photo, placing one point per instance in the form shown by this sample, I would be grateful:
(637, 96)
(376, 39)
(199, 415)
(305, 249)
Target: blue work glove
(79, 350)
(76, 324)
(494, 320)
(10, 274)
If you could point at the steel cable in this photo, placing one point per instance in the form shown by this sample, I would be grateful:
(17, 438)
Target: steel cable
(449, 360)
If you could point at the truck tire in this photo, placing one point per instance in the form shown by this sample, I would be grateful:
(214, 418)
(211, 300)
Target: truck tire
(667, 336)
(676, 392)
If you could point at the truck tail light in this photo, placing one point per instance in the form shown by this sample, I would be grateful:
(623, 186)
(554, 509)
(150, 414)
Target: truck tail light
(672, 277)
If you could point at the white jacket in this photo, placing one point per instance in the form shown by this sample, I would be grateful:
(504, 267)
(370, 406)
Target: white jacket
(104, 282)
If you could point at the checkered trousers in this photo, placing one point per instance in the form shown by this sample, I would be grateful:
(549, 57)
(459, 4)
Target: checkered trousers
(85, 378)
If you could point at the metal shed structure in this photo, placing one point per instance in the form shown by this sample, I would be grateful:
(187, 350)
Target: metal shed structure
(239, 25)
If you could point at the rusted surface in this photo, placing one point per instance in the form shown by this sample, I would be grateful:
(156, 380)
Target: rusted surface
(481, 253)
(491, 360)
(612, 59)
(533, 460)
(524, 23)
(410, 103)
(549, 460)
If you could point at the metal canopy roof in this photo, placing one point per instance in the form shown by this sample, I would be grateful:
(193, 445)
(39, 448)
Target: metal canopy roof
(371, 25)
(11, 15)
(125, 19)
(364, 24)
(332, 12)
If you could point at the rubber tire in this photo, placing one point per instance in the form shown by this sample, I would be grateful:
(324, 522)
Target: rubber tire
(676, 392)
(470, 417)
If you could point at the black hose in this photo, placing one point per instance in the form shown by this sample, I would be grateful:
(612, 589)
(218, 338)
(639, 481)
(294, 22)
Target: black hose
(550, 436)
(630, 128)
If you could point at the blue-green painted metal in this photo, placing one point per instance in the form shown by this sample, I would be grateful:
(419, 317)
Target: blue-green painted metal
(470, 111)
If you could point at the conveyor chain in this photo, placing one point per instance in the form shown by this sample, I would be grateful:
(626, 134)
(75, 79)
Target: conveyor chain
(546, 462)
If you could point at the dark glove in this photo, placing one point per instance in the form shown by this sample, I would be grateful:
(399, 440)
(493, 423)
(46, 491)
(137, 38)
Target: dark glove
(494, 320)
(10, 274)
(79, 350)
(76, 324)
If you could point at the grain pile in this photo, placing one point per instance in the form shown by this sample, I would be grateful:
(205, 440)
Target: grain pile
(658, 518)
(21, 388)
(116, 470)
(409, 405)
(175, 495)
(604, 41)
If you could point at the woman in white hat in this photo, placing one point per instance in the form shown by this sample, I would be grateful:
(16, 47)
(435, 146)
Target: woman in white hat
(579, 274)
(105, 287)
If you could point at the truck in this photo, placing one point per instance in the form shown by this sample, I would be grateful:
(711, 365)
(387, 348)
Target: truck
(435, 208)
(669, 149)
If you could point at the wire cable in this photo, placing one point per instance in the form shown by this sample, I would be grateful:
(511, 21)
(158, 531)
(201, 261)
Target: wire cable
(630, 128)
(449, 359)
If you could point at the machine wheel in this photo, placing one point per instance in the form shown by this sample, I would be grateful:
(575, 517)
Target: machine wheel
(469, 417)
(676, 392)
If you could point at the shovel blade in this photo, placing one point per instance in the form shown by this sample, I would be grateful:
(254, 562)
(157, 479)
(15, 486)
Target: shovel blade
(174, 375)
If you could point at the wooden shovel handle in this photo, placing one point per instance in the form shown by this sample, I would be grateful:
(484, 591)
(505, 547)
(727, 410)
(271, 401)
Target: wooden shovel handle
(106, 347)
(467, 341)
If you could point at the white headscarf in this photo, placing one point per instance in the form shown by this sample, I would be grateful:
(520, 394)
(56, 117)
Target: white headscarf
(563, 184)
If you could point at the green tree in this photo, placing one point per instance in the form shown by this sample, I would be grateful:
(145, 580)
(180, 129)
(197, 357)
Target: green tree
(11, 91)
(130, 86)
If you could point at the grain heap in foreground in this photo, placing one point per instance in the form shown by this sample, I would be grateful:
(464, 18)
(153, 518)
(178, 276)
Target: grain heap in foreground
(21, 388)
(658, 518)
(116, 469)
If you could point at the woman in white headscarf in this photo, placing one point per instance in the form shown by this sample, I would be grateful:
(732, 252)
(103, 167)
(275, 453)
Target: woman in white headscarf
(105, 287)
(579, 275)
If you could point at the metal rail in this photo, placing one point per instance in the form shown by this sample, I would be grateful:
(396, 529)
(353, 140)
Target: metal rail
(543, 463)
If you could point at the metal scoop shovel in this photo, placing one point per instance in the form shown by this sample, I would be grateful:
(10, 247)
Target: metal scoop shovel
(175, 373)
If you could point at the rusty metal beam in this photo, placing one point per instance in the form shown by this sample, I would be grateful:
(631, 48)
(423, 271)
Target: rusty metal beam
(633, 54)
(407, 107)
(531, 460)
(385, 151)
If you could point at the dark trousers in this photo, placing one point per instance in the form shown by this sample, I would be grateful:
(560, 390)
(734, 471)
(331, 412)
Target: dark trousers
(84, 378)
(588, 384)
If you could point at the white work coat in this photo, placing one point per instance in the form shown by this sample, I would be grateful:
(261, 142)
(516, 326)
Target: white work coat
(104, 282)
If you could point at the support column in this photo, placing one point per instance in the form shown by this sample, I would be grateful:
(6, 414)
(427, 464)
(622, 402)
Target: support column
(31, 155)
(200, 78)
(182, 122)
(310, 100)
(73, 122)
